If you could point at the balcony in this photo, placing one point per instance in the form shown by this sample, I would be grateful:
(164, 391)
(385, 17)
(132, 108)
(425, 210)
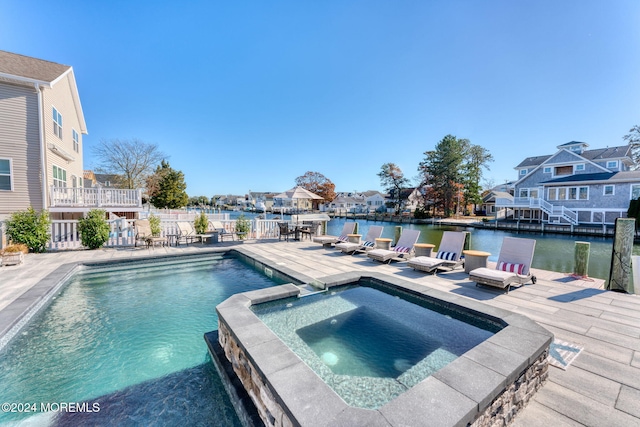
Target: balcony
(66, 199)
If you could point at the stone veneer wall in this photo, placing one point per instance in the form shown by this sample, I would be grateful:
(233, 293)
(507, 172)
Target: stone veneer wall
(516, 396)
(499, 413)
(271, 412)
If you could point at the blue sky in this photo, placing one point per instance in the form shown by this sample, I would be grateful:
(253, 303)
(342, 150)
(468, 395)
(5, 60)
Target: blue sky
(250, 95)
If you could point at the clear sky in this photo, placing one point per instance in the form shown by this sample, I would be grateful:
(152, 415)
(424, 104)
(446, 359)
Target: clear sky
(248, 95)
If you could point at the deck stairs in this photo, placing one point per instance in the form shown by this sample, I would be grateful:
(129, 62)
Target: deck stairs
(558, 214)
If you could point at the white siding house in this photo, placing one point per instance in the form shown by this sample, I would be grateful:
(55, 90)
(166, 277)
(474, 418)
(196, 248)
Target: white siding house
(41, 130)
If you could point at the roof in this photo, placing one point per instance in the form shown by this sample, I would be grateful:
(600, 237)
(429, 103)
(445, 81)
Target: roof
(593, 155)
(533, 161)
(601, 176)
(607, 153)
(569, 144)
(493, 195)
(26, 67)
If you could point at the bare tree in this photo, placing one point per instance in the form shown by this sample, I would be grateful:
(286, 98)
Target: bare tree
(132, 160)
(633, 138)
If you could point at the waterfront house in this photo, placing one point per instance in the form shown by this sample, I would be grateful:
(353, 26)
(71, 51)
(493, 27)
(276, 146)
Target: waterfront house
(374, 200)
(575, 185)
(41, 129)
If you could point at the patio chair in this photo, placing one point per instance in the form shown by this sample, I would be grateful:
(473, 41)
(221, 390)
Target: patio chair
(374, 232)
(327, 241)
(188, 234)
(513, 266)
(449, 254)
(144, 234)
(402, 250)
(222, 232)
(285, 231)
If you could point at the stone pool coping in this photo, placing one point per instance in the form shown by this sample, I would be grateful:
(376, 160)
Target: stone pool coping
(455, 395)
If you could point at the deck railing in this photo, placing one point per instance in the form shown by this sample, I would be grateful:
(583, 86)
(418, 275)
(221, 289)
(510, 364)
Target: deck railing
(96, 197)
(65, 234)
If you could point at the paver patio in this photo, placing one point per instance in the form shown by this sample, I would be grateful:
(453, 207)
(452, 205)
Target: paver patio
(600, 388)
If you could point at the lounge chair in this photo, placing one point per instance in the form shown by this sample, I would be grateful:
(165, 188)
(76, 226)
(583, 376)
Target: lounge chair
(144, 234)
(188, 233)
(513, 266)
(449, 254)
(348, 228)
(223, 233)
(402, 249)
(374, 232)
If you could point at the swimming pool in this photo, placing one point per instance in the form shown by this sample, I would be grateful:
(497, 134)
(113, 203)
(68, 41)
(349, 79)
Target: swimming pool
(359, 337)
(128, 336)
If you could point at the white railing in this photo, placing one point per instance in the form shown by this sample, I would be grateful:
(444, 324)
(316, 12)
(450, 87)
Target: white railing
(65, 235)
(538, 203)
(94, 197)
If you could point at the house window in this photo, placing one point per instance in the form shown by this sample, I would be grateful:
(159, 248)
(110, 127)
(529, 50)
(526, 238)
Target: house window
(573, 193)
(583, 193)
(612, 164)
(57, 123)
(564, 170)
(76, 141)
(547, 169)
(59, 177)
(553, 194)
(579, 167)
(523, 172)
(524, 192)
(635, 191)
(562, 193)
(5, 174)
(608, 190)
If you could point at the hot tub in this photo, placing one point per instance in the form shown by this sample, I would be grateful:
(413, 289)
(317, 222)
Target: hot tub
(377, 349)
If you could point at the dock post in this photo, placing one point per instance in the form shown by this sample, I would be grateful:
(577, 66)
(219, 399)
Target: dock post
(397, 233)
(467, 240)
(620, 272)
(581, 259)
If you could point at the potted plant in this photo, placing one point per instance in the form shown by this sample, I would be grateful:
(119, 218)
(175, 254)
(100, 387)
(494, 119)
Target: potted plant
(14, 254)
(243, 226)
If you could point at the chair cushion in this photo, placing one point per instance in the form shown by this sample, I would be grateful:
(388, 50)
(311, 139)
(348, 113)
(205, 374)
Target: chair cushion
(402, 249)
(368, 244)
(343, 238)
(448, 256)
(512, 268)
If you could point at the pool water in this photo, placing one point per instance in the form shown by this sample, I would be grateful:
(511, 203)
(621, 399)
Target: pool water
(130, 338)
(361, 338)
(365, 343)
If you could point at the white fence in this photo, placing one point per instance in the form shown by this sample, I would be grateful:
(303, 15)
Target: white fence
(65, 235)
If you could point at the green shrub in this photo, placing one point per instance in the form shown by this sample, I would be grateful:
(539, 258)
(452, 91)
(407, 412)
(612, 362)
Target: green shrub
(201, 223)
(154, 224)
(30, 228)
(243, 226)
(93, 228)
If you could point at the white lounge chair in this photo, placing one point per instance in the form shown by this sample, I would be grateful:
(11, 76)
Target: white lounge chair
(143, 234)
(327, 241)
(374, 232)
(513, 267)
(449, 254)
(402, 249)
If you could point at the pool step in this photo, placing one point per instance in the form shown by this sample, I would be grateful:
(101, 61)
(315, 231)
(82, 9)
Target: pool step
(307, 290)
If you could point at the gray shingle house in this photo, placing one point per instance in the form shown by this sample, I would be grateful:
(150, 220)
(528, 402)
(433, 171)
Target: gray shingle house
(574, 186)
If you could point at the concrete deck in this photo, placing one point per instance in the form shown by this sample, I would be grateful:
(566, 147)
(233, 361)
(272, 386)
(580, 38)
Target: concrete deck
(600, 388)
